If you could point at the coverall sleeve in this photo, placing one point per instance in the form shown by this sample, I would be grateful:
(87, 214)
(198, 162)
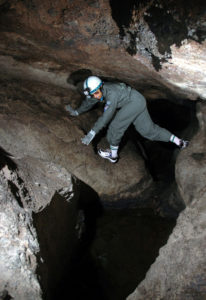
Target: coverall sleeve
(106, 117)
(86, 105)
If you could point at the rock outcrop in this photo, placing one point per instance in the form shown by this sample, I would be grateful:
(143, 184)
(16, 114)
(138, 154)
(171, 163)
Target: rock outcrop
(19, 246)
(34, 198)
(155, 46)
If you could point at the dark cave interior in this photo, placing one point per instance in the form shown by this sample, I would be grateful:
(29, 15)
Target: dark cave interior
(144, 44)
(119, 244)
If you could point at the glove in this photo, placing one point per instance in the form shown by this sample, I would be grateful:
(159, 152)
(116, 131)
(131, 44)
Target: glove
(71, 111)
(89, 137)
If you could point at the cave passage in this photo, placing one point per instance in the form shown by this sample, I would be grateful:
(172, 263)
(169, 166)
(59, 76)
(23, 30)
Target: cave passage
(119, 245)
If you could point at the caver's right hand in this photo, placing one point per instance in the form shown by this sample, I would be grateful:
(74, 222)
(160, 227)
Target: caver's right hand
(88, 138)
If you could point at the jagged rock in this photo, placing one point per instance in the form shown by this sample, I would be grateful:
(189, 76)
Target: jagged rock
(158, 47)
(43, 179)
(31, 240)
(19, 247)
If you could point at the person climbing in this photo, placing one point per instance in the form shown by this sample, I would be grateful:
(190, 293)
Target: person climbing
(123, 106)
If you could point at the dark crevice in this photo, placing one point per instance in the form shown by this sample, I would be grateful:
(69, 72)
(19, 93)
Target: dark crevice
(15, 191)
(171, 22)
(17, 186)
(4, 295)
(4, 7)
(166, 29)
(6, 160)
(80, 279)
(122, 12)
(78, 76)
(114, 244)
(56, 236)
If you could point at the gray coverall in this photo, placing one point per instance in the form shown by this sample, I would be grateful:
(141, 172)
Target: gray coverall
(124, 106)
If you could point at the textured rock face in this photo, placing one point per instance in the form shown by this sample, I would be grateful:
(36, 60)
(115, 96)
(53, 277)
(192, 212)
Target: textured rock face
(25, 244)
(157, 46)
(32, 128)
(180, 270)
(18, 248)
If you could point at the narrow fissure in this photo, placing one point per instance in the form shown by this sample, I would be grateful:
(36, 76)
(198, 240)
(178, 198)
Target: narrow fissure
(109, 266)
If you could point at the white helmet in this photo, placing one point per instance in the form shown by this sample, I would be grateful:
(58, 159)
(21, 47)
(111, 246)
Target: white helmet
(91, 85)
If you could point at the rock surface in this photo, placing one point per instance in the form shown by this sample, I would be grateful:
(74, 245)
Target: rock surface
(156, 46)
(19, 246)
(34, 127)
(179, 272)
(34, 186)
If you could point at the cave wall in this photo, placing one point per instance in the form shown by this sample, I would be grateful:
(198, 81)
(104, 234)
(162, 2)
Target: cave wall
(38, 219)
(19, 245)
(179, 271)
(156, 46)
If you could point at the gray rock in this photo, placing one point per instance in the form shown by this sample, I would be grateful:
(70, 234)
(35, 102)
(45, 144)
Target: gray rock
(18, 247)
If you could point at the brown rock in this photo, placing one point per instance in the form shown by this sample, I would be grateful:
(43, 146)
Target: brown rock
(34, 129)
(158, 48)
(179, 271)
